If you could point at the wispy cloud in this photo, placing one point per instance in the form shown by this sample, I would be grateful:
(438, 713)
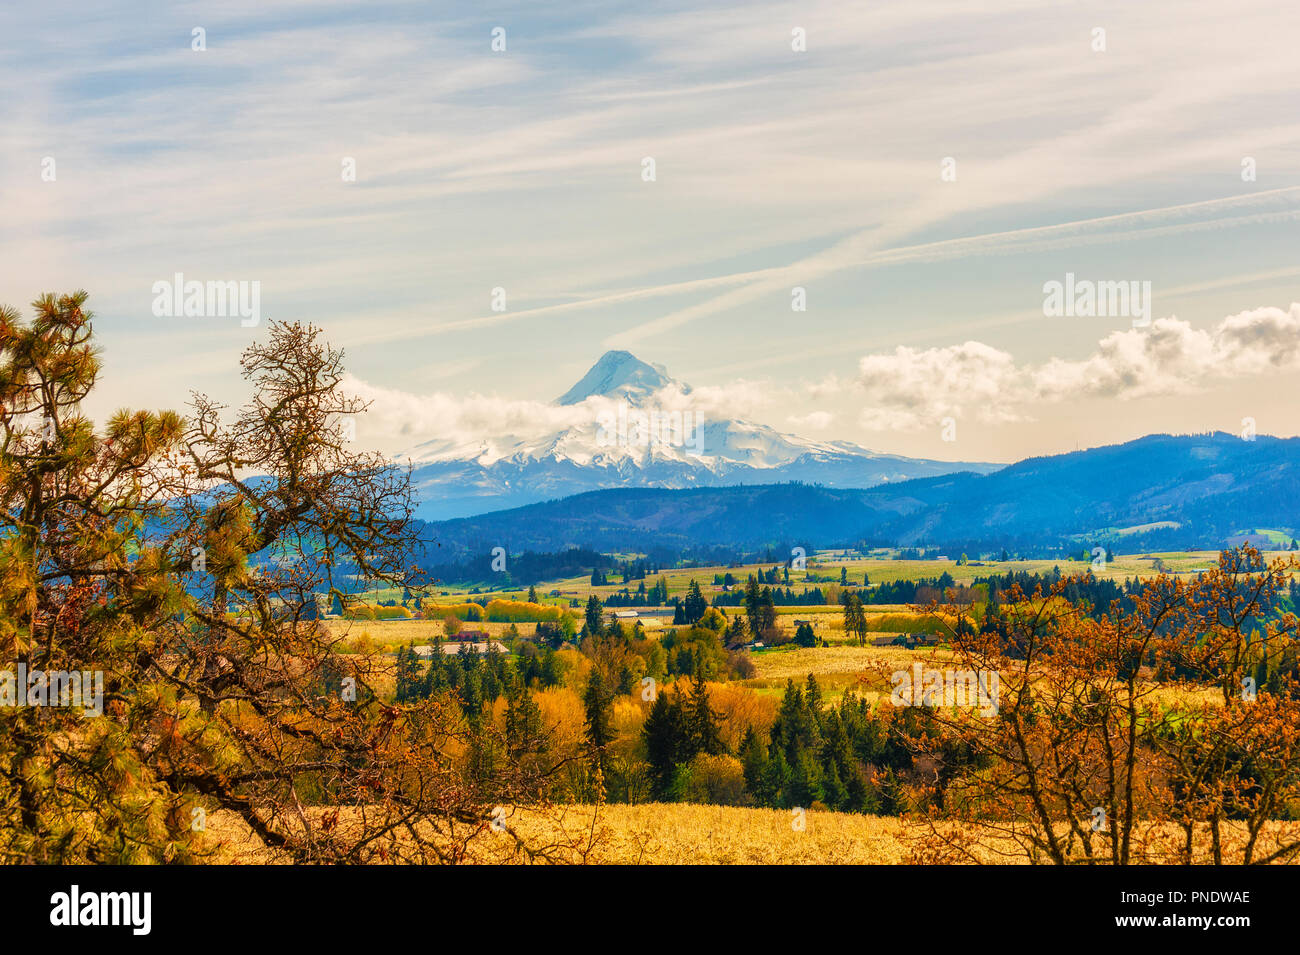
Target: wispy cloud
(521, 170)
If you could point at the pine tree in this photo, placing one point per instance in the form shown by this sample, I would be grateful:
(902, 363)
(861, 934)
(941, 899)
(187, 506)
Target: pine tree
(753, 606)
(664, 733)
(532, 595)
(766, 612)
(471, 696)
(855, 618)
(703, 734)
(524, 733)
(805, 786)
(812, 695)
(626, 680)
(409, 675)
(753, 758)
(737, 634)
(597, 702)
(435, 679)
(695, 605)
(551, 672)
(593, 616)
(889, 793)
(834, 793)
(776, 781)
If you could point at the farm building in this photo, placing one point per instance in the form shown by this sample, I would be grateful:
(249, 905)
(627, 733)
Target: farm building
(647, 615)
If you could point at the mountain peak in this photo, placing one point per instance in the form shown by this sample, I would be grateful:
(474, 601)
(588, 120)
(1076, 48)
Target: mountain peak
(618, 374)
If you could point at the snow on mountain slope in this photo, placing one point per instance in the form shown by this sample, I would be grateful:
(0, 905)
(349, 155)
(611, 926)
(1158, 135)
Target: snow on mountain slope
(620, 374)
(627, 423)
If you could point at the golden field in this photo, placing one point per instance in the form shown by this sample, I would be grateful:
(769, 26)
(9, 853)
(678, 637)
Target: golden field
(652, 834)
(685, 834)
(824, 569)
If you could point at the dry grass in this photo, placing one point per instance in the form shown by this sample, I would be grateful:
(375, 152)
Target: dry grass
(389, 634)
(798, 662)
(683, 834)
(652, 833)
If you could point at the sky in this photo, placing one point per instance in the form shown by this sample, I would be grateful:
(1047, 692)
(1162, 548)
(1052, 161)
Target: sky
(922, 171)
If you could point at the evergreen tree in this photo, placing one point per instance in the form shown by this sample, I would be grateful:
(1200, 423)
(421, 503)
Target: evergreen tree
(664, 733)
(409, 675)
(524, 732)
(593, 616)
(663, 589)
(890, 797)
(695, 605)
(435, 678)
(855, 618)
(551, 674)
(834, 792)
(626, 680)
(753, 758)
(736, 633)
(702, 732)
(754, 606)
(812, 694)
(766, 612)
(471, 696)
(597, 702)
(776, 781)
(805, 784)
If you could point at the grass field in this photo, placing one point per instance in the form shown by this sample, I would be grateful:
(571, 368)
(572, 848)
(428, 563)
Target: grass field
(684, 834)
(389, 634)
(837, 668)
(824, 568)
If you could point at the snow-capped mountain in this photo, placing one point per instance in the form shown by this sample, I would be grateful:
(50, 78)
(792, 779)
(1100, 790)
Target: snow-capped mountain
(627, 423)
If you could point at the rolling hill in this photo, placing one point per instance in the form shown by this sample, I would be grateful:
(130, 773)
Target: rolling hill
(1194, 491)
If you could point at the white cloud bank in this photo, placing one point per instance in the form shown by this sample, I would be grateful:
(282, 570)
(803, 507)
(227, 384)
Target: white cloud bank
(443, 424)
(912, 388)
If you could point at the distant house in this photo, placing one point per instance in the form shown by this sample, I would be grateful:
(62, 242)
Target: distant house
(644, 614)
(913, 640)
